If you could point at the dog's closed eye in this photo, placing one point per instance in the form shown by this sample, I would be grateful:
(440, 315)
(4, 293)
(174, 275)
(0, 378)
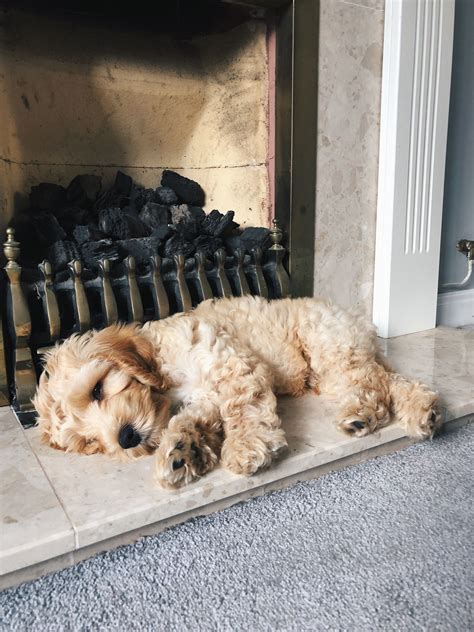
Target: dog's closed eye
(97, 393)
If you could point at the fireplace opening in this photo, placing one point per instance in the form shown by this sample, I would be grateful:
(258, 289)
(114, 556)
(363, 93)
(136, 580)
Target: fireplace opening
(173, 89)
(108, 118)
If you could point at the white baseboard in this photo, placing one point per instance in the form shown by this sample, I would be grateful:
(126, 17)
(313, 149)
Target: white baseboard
(456, 309)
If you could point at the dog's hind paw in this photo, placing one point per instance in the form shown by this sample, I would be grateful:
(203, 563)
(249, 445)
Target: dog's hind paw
(182, 457)
(357, 426)
(429, 423)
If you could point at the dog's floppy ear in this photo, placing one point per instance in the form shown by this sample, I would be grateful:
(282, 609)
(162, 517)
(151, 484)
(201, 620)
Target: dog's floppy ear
(130, 351)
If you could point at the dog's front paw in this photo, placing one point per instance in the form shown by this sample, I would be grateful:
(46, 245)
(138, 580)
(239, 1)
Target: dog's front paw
(182, 457)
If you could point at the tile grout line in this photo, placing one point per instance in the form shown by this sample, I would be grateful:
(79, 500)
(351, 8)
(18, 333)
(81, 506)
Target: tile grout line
(76, 535)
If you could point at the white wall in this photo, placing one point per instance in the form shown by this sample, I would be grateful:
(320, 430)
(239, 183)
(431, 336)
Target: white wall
(458, 209)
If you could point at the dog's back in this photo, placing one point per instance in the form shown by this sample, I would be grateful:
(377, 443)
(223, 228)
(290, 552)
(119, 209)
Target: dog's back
(290, 335)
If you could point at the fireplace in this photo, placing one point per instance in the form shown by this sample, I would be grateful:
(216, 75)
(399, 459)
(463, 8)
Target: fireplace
(216, 92)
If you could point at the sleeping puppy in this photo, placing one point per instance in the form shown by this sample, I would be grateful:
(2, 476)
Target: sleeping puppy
(200, 387)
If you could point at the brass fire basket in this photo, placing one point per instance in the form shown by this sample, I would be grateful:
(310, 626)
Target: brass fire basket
(42, 308)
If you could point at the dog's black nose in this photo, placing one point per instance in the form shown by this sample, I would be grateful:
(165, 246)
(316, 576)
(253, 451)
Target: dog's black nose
(128, 437)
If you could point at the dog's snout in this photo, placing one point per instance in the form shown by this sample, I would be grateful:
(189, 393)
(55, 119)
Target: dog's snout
(128, 437)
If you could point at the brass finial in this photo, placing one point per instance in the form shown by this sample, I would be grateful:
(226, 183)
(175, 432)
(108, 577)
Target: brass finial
(11, 248)
(19, 319)
(276, 235)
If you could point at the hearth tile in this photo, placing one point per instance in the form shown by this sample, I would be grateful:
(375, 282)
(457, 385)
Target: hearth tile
(34, 526)
(441, 358)
(104, 498)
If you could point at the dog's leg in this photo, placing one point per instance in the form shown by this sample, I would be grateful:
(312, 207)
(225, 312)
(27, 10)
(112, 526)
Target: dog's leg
(341, 348)
(415, 406)
(240, 404)
(362, 390)
(344, 356)
(253, 433)
(190, 445)
(370, 394)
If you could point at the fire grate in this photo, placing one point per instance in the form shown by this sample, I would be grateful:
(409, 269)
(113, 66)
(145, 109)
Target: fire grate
(42, 308)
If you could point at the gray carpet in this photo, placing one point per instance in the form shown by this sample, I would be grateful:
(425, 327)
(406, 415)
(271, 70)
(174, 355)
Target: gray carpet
(385, 545)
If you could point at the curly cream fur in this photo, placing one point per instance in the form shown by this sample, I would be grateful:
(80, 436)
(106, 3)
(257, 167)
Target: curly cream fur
(221, 366)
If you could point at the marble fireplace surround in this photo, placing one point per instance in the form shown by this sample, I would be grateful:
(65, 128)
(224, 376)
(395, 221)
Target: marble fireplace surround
(57, 508)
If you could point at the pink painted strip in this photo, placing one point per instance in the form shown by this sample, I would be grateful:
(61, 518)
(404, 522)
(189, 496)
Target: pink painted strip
(271, 55)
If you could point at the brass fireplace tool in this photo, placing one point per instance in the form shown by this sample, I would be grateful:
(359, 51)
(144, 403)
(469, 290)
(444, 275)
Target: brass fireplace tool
(42, 308)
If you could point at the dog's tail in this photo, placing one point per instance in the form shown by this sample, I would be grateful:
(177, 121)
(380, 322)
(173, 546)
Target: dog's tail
(414, 405)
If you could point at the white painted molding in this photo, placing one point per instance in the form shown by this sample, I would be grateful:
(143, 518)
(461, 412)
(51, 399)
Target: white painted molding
(416, 80)
(456, 309)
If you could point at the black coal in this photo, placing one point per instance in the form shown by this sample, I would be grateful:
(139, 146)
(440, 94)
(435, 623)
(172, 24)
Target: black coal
(84, 221)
